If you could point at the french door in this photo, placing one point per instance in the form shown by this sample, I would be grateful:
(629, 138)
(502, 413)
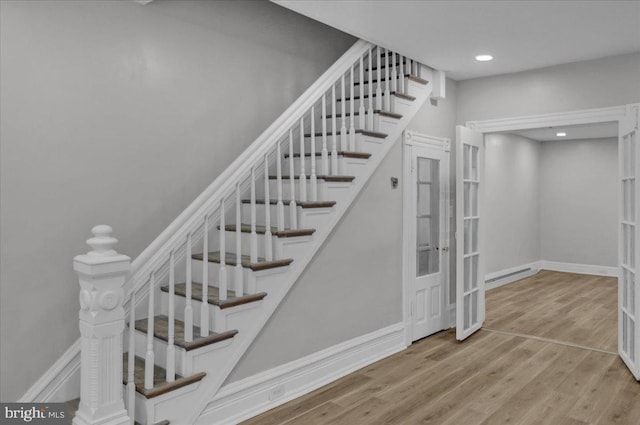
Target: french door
(426, 243)
(628, 252)
(470, 290)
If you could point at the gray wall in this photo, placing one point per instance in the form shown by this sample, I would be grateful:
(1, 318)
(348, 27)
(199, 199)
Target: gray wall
(354, 284)
(512, 201)
(597, 83)
(578, 201)
(113, 112)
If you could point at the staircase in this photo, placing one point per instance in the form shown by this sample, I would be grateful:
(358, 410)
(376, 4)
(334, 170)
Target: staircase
(201, 293)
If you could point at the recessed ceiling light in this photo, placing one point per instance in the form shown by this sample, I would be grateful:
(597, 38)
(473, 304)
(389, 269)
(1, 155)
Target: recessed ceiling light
(484, 58)
(561, 134)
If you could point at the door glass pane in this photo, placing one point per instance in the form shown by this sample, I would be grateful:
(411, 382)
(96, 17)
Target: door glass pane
(428, 217)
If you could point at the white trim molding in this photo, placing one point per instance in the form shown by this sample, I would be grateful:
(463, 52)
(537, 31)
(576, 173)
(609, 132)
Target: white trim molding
(587, 116)
(510, 275)
(244, 399)
(60, 383)
(579, 268)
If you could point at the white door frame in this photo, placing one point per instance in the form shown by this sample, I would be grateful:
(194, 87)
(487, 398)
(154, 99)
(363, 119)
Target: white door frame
(409, 139)
(588, 116)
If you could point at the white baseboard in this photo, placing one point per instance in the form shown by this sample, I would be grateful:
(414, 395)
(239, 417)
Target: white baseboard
(511, 275)
(61, 382)
(241, 400)
(579, 268)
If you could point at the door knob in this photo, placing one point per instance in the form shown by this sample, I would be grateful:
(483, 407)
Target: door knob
(445, 249)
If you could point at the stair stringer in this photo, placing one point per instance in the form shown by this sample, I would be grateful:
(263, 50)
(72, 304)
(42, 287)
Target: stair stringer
(213, 381)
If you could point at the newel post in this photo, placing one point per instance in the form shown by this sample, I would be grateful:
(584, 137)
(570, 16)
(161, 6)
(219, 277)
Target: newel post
(102, 274)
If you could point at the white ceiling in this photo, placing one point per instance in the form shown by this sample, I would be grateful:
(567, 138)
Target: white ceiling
(576, 132)
(520, 34)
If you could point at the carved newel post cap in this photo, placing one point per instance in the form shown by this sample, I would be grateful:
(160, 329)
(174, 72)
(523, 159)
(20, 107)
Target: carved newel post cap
(102, 243)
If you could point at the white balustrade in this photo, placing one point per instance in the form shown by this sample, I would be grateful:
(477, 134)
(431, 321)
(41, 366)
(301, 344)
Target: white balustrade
(387, 92)
(239, 274)
(188, 283)
(303, 176)
(379, 85)
(334, 150)
(204, 305)
(149, 358)
(325, 152)
(370, 113)
(253, 241)
(352, 129)
(131, 359)
(222, 272)
(361, 110)
(171, 349)
(401, 65)
(293, 210)
(343, 129)
(394, 73)
(313, 180)
(102, 274)
(267, 212)
(279, 204)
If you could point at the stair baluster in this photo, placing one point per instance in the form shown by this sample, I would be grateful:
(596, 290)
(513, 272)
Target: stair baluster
(222, 273)
(325, 154)
(204, 306)
(253, 241)
(387, 92)
(352, 128)
(171, 349)
(334, 150)
(303, 176)
(131, 384)
(343, 129)
(293, 210)
(238, 279)
(149, 358)
(361, 110)
(379, 85)
(268, 254)
(394, 76)
(313, 180)
(188, 307)
(280, 204)
(401, 60)
(370, 113)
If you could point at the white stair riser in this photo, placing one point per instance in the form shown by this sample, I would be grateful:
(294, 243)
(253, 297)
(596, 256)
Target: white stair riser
(286, 190)
(217, 317)
(245, 242)
(342, 169)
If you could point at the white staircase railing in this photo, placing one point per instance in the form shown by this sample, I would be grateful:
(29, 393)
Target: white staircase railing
(169, 257)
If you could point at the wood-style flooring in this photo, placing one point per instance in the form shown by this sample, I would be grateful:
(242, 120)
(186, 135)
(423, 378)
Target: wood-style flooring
(574, 308)
(494, 377)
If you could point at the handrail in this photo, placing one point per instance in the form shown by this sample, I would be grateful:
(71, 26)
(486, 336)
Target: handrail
(161, 246)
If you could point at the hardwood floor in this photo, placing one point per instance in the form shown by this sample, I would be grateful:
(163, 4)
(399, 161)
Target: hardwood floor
(492, 377)
(574, 308)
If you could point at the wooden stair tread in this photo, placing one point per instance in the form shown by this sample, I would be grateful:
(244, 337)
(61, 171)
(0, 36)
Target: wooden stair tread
(377, 111)
(230, 260)
(286, 233)
(346, 154)
(320, 177)
(357, 131)
(305, 204)
(213, 297)
(161, 331)
(384, 65)
(393, 93)
(411, 77)
(160, 386)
